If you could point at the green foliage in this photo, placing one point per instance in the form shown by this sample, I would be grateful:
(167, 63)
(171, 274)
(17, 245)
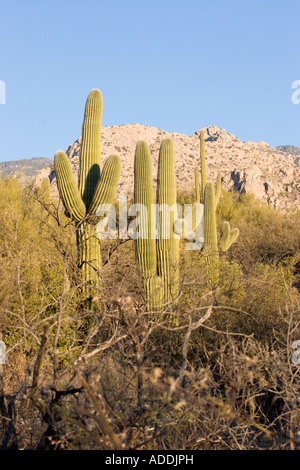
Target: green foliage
(211, 379)
(220, 371)
(36, 261)
(267, 235)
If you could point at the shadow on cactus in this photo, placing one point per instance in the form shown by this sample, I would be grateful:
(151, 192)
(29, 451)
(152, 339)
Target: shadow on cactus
(94, 189)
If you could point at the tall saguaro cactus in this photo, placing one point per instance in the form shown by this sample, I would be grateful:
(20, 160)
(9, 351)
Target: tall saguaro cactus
(210, 197)
(168, 241)
(145, 244)
(157, 253)
(200, 186)
(203, 167)
(210, 248)
(94, 189)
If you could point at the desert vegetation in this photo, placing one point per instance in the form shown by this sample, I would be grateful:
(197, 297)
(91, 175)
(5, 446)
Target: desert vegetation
(94, 363)
(77, 377)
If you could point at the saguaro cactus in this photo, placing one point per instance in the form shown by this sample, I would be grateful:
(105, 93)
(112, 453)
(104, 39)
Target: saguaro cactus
(200, 186)
(197, 185)
(228, 236)
(168, 241)
(210, 248)
(203, 167)
(145, 244)
(94, 189)
(210, 227)
(157, 253)
(211, 197)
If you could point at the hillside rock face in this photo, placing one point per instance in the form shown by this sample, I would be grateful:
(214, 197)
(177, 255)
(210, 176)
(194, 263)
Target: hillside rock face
(272, 175)
(27, 168)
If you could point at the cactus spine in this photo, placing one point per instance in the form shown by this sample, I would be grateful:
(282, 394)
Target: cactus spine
(158, 257)
(81, 202)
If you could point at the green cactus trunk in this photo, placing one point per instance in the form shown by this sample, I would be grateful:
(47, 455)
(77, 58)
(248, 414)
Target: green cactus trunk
(211, 250)
(203, 167)
(210, 196)
(146, 243)
(218, 188)
(82, 202)
(197, 185)
(89, 257)
(168, 241)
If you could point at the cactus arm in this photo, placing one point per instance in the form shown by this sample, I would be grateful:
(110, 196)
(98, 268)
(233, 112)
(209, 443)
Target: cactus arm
(67, 187)
(210, 228)
(218, 188)
(46, 188)
(90, 151)
(203, 167)
(197, 184)
(227, 236)
(211, 251)
(105, 190)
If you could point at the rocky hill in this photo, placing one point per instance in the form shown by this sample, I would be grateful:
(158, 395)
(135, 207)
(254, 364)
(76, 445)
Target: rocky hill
(289, 149)
(28, 168)
(272, 174)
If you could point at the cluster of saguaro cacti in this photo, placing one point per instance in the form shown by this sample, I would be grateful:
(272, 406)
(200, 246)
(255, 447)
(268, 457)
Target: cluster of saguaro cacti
(94, 189)
(158, 255)
(157, 246)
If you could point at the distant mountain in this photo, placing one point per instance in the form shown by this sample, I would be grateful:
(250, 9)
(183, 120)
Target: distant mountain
(289, 149)
(271, 174)
(28, 167)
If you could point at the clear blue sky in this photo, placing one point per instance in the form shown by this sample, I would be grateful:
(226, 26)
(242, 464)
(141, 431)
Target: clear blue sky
(176, 65)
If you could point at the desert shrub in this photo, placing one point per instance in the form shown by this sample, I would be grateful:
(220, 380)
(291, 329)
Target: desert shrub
(37, 263)
(267, 235)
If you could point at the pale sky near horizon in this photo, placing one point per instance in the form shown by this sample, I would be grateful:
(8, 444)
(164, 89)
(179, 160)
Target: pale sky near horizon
(175, 65)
